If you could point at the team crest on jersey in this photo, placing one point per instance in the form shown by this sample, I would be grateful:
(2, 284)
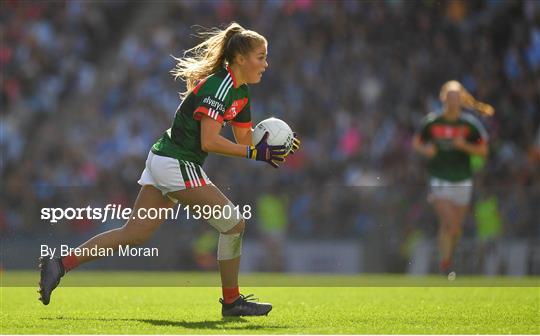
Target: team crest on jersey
(449, 132)
(236, 107)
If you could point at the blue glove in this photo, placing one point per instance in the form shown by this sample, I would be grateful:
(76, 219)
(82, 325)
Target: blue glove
(264, 152)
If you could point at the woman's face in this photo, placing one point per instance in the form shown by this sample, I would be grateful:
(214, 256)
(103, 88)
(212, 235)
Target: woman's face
(254, 64)
(453, 99)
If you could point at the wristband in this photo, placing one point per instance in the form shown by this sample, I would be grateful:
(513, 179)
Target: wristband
(251, 152)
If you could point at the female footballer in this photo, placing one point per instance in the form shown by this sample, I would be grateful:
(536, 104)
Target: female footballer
(448, 140)
(216, 72)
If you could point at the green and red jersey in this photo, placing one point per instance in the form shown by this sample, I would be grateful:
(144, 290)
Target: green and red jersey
(217, 97)
(449, 163)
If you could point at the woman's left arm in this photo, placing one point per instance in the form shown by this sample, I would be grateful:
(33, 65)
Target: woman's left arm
(243, 135)
(480, 148)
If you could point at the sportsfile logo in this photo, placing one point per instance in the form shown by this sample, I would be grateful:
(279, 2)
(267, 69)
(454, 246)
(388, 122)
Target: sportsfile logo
(119, 212)
(109, 212)
(217, 105)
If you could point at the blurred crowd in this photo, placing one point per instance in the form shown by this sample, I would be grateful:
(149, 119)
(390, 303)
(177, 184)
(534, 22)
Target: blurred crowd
(86, 90)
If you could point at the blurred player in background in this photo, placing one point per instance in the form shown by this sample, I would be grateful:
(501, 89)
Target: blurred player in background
(448, 140)
(216, 72)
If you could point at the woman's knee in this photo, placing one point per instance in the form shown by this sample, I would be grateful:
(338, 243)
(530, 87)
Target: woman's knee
(238, 228)
(456, 230)
(446, 227)
(230, 242)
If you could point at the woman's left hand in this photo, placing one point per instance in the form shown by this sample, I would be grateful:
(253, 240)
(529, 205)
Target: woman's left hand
(460, 143)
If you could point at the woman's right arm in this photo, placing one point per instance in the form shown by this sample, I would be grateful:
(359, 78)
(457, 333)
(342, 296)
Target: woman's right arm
(426, 149)
(213, 142)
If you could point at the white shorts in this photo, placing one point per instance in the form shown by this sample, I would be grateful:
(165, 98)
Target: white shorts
(169, 175)
(457, 192)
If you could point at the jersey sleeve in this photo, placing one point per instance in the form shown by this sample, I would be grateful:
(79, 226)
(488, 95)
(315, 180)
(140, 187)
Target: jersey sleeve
(478, 132)
(243, 119)
(424, 128)
(211, 96)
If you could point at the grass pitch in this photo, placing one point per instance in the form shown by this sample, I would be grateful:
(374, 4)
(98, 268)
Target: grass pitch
(297, 310)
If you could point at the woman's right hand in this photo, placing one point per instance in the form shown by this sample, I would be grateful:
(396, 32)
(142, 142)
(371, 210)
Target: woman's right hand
(429, 150)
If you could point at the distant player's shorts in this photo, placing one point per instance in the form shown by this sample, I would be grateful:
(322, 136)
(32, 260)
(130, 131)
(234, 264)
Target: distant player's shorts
(458, 192)
(170, 175)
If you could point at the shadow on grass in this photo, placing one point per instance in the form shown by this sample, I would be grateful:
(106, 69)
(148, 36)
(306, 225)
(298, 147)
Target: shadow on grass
(224, 323)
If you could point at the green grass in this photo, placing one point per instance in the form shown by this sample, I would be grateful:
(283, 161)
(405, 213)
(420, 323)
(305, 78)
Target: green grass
(297, 310)
(211, 279)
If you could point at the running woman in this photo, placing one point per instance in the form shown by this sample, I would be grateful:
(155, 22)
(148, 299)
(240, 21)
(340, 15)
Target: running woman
(217, 73)
(448, 140)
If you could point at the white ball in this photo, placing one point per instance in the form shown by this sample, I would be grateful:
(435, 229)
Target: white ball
(279, 133)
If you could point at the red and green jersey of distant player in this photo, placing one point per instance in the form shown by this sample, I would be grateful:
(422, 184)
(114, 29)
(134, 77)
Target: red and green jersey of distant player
(451, 164)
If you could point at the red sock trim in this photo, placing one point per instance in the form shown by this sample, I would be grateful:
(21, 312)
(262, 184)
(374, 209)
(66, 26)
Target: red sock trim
(70, 262)
(445, 265)
(230, 294)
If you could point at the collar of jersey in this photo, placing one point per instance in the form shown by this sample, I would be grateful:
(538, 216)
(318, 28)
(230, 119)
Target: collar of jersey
(232, 75)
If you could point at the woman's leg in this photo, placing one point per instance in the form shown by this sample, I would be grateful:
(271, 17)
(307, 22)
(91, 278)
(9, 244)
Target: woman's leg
(229, 250)
(459, 212)
(212, 196)
(135, 231)
(444, 209)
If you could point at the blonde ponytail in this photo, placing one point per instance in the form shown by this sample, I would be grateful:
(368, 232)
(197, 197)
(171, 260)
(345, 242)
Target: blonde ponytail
(467, 100)
(219, 47)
